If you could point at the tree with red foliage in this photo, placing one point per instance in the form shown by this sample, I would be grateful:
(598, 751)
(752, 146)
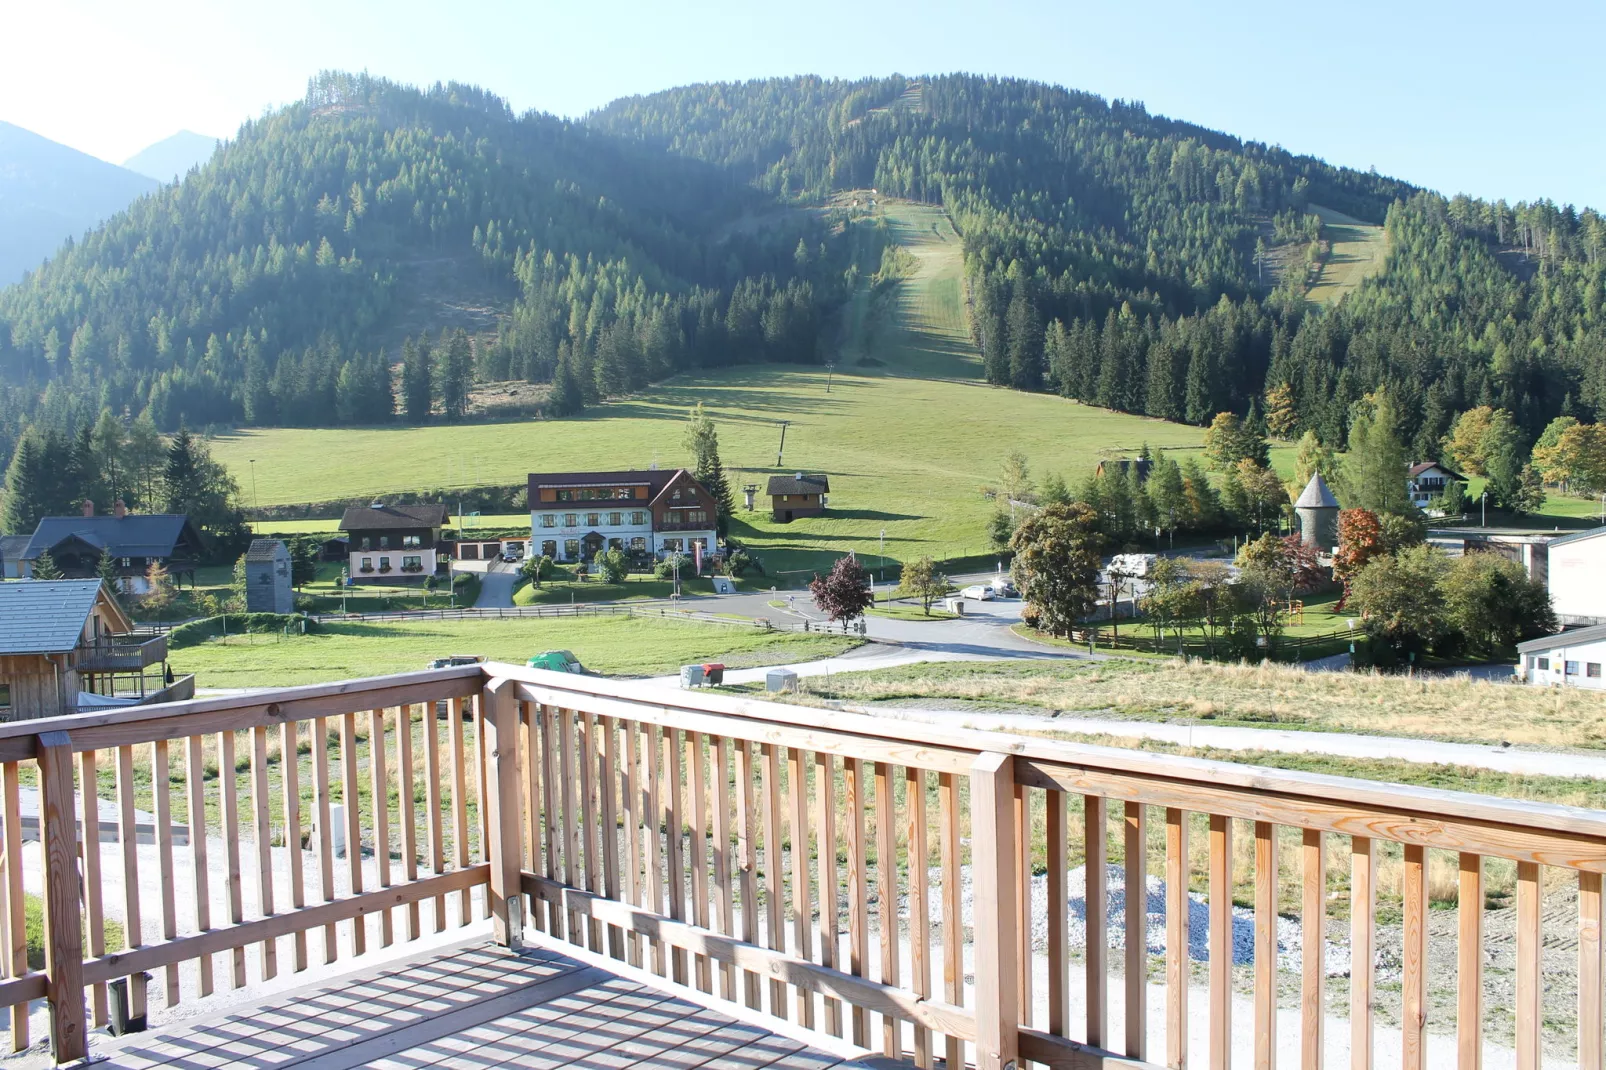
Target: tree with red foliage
(1309, 574)
(844, 593)
(1360, 539)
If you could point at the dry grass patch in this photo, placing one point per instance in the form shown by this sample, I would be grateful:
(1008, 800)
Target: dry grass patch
(1457, 708)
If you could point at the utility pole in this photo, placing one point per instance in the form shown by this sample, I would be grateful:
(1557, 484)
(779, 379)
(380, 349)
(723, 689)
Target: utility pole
(782, 448)
(882, 556)
(829, 366)
(256, 502)
(1485, 508)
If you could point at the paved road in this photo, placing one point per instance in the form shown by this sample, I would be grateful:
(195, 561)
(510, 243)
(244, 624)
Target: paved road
(496, 586)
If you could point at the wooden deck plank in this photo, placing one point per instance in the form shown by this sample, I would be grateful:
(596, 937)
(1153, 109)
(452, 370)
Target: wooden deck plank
(471, 1007)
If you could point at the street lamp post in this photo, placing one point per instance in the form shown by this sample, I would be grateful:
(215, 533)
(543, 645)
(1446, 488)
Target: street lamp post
(1485, 508)
(881, 558)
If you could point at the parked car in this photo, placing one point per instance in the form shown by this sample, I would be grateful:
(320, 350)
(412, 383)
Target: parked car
(1003, 587)
(979, 591)
(558, 661)
(457, 659)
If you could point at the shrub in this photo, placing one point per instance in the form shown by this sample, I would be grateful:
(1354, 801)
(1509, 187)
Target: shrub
(665, 569)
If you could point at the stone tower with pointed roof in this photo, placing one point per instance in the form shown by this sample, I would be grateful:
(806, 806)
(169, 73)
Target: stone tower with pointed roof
(1318, 515)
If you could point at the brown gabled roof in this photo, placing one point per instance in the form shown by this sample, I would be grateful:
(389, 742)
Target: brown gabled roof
(379, 517)
(654, 479)
(1422, 466)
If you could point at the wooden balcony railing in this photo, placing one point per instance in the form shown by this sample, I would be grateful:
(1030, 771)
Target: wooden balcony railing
(122, 653)
(864, 878)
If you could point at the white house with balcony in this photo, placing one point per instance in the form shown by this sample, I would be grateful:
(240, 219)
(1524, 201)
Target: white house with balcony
(576, 515)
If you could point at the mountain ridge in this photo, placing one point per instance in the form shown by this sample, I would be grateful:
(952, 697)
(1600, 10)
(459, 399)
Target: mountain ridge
(172, 157)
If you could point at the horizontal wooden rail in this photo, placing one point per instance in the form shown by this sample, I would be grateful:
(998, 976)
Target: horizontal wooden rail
(185, 948)
(776, 965)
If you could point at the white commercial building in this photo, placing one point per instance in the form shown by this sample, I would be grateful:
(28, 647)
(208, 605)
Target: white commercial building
(1575, 659)
(1577, 577)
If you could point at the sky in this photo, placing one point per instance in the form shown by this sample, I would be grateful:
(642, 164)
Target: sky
(1493, 100)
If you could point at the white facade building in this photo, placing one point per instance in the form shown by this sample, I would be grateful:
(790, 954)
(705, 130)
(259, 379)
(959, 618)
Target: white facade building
(576, 515)
(1577, 577)
(1572, 659)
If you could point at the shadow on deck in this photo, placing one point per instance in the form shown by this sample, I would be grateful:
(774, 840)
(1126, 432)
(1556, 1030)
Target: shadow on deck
(478, 1005)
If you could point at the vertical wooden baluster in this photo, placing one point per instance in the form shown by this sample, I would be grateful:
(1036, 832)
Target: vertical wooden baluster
(1135, 854)
(1220, 942)
(656, 835)
(825, 828)
(588, 817)
(747, 862)
(94, 916)
(886, 871)
(1057, 835)
(724, 907)
(914, 798)
(1265, 945)
(697, 784)
(16, 905)
(128, 836)
(953, 921)
(434, 832)
(290, 788)
(1469, 963)
(194, 782)
(797, 777)
(995, 858)
(1363, 903)
(1414, 952)
(459, 773)
(63, 906)
(1023, 903)
(529, 802)
(632, 800)
(481, 788)
(229, 790)
(609, 784)
(351, 800)
(1589, 972)
(261, 803)
(1313, 948)
(321, 817)
(552, 784)
(675, 843)
(1530, 1014)
(406, 780)
(1095, 821)
(774, 886)
(854, 785)
(573, 871)
(379, 799)
(161, 789)
(1177, 966)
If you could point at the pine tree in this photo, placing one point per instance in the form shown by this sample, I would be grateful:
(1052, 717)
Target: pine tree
(1375, 470)
(566, 398)
(45, 567)
(25, 489)
(418, 391)
(455, 374)
(180, 475)
(701, 440)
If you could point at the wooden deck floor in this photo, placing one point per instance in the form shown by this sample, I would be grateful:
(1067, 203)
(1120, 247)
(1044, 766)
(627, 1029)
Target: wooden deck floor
(470, 1009)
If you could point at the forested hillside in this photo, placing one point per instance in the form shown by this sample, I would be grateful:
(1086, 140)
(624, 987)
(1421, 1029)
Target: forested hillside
(259, 289)
(1115, 256)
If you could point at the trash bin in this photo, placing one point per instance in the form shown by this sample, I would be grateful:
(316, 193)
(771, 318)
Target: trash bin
(691, 676)
(778, 680)
(714, 673)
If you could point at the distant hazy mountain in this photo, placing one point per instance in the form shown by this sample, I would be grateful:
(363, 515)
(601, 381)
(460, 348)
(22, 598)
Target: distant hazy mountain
(172, 157)
(48, 193)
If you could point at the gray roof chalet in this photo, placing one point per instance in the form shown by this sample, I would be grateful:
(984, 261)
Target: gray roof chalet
(1316, 495)
(1576, 637)
(12, 547)
(802, 483)
(133, 535)
(44, 616)
(264, 550)
(381, 517)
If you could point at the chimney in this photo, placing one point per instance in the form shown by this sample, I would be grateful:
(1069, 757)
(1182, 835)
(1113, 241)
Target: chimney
(89, 507)
(800, 477)
(119, 509)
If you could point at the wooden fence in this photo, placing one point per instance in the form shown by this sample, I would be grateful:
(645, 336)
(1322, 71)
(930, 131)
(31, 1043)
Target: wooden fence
(856, 876)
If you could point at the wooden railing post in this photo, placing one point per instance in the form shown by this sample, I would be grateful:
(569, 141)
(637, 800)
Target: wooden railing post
(499, 711)
(992, 837)
(64, 942)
